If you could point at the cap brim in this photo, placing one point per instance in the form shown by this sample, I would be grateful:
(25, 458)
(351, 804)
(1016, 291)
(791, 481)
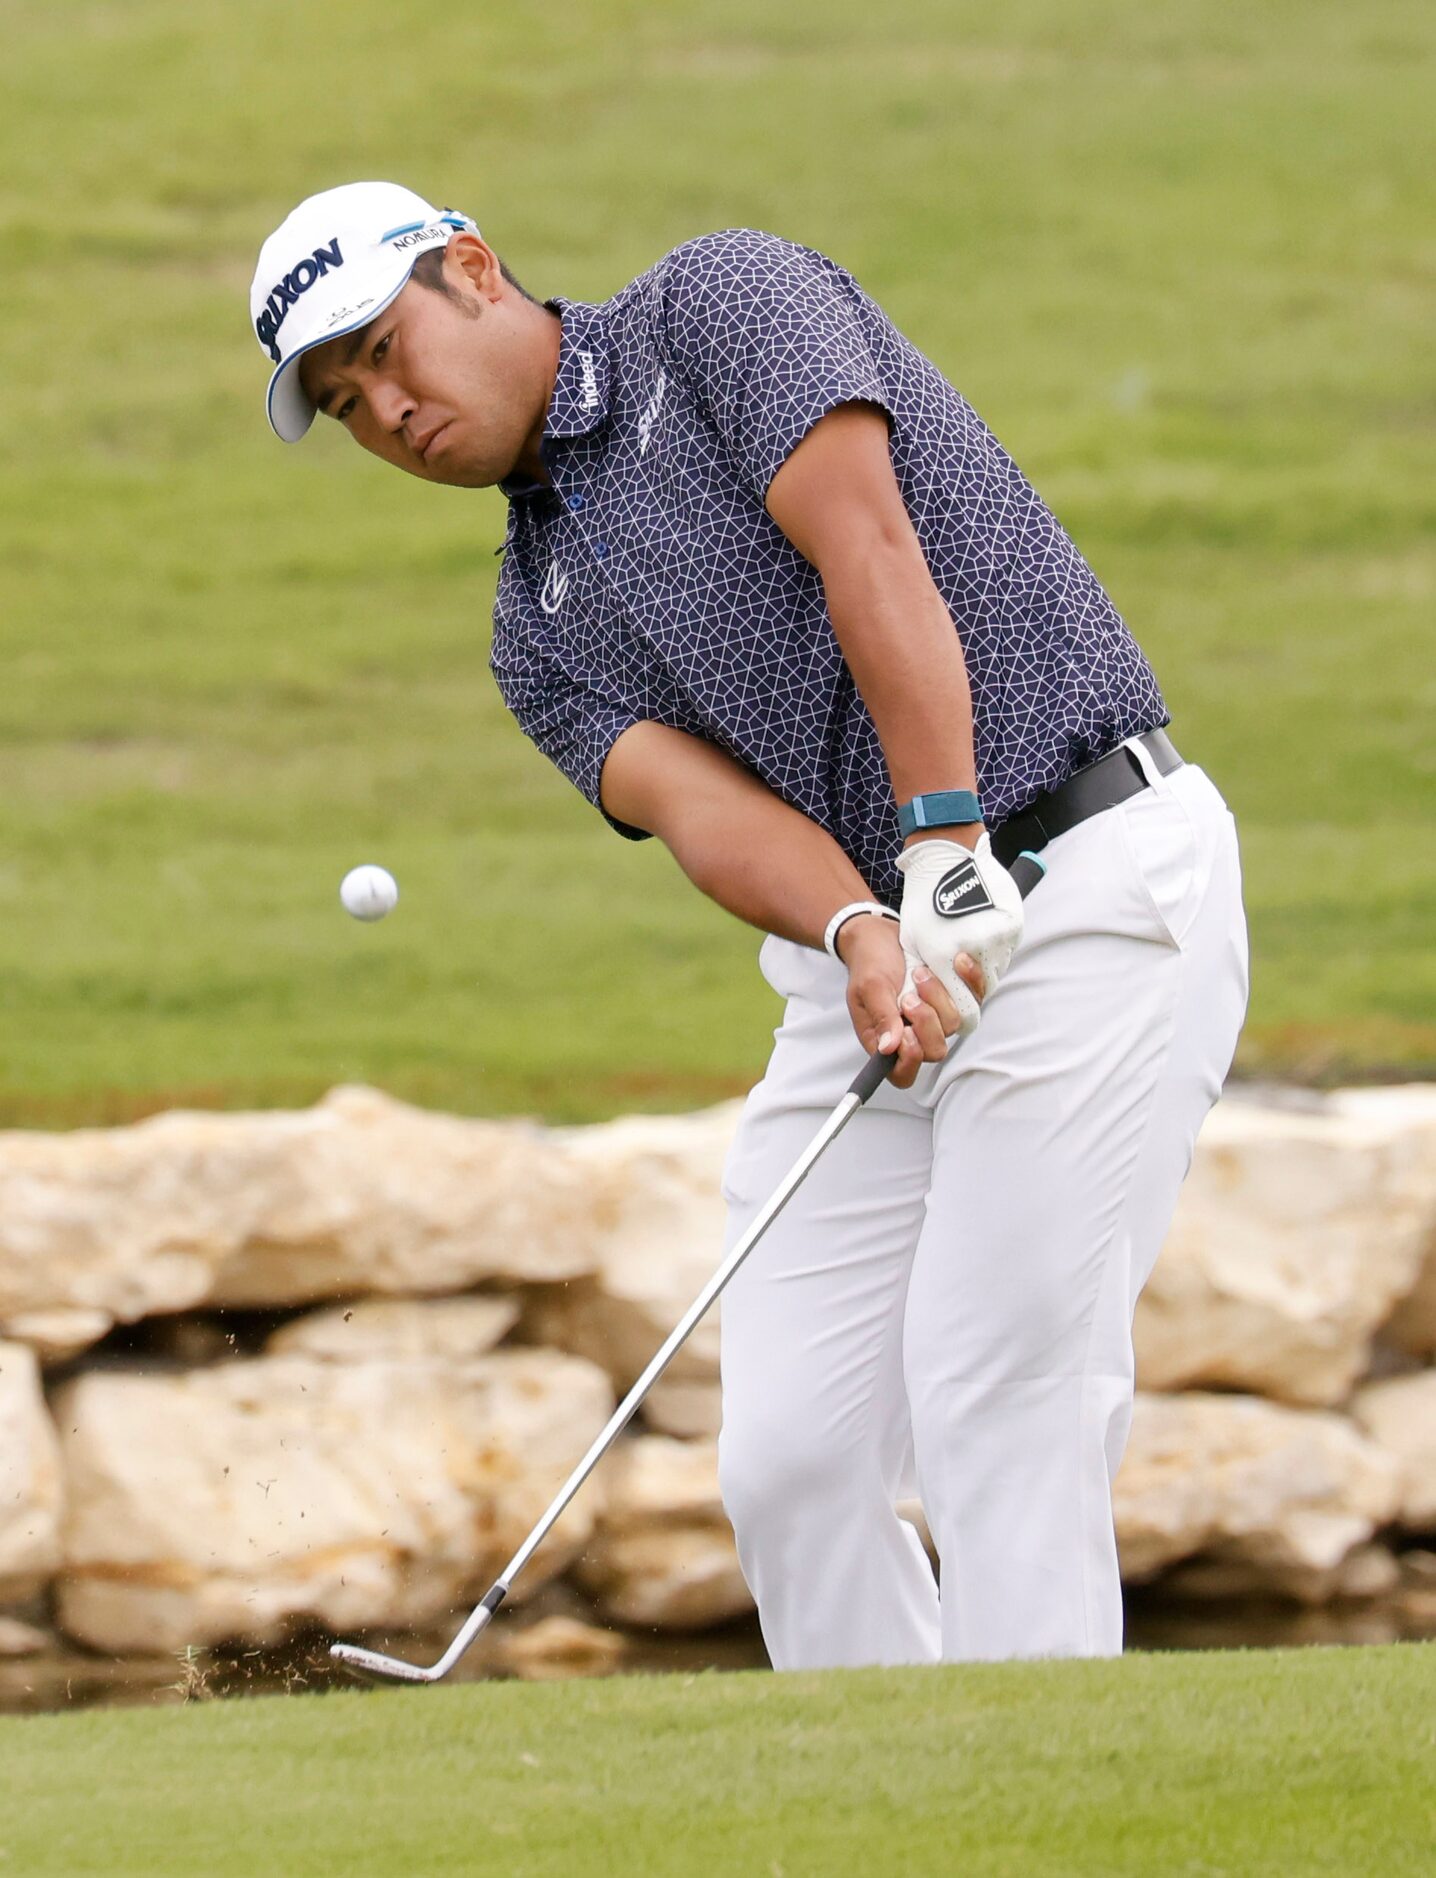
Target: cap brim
(286, 403)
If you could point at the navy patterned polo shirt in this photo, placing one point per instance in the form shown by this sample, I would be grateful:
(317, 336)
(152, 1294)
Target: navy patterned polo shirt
(650, 582)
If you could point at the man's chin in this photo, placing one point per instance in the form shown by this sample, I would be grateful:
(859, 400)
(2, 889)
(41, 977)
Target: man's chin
(474, 479)
(456, 473)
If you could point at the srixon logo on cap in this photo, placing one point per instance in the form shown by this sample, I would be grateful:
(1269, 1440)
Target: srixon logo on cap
(298, 280)
(960, 891)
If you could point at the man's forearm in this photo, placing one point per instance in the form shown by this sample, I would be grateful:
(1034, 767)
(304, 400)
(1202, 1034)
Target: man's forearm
(903, 651)
(766, 862)
(740, 843)
(837, 500)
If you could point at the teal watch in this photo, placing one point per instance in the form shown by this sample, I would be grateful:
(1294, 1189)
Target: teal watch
(948, 808)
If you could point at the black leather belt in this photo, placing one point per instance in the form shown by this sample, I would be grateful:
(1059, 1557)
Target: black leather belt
(1113, 778)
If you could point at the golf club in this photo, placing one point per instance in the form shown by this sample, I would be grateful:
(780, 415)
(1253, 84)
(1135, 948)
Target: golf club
(1026, 870)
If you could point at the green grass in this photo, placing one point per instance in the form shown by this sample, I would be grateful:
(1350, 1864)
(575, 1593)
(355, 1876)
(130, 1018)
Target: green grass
(1213, 1766)
(1179, 258)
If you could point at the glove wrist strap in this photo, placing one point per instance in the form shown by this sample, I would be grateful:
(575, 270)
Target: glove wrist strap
(946, 808)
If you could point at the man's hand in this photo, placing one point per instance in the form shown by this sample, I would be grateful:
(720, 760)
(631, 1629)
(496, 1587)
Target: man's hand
(957, 900)
(917, 1023)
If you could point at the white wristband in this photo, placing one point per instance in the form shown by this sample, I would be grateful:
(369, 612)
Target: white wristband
(844, 914)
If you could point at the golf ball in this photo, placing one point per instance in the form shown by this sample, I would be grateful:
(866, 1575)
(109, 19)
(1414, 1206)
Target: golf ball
(369, 892)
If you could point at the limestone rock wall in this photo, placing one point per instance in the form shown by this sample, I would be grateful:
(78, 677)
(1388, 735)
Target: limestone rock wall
(31, 1490)
(1299, 1234)
(238, 1500)
(229, 1465)
(359, 1195)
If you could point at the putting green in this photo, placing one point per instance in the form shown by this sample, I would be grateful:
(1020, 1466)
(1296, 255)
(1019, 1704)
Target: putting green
(1299, 1762)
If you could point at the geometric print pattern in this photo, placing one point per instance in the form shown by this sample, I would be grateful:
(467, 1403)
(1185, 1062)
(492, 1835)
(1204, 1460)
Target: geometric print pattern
(648, 581)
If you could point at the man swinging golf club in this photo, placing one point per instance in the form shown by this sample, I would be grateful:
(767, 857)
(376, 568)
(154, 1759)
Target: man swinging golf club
(773, 593)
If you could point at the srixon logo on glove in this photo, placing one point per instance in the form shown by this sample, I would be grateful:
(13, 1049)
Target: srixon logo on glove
(960, 891)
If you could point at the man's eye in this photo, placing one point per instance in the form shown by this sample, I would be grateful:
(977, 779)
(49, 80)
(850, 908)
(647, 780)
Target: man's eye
(382, 347)
(345, 410)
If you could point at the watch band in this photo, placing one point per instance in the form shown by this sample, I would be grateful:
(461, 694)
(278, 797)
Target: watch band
(844, 914)
(947, 808)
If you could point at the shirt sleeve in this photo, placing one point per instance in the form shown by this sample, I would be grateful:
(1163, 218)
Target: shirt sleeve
(771, 338)
(573, 724)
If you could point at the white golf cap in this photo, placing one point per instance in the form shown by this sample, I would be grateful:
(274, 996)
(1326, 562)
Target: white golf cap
(330, 268)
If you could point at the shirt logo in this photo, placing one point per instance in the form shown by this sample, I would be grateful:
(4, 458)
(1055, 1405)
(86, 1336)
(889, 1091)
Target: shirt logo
(589, 399)
(960, 891)
(648, 417)
(554, 589)
(285, 292)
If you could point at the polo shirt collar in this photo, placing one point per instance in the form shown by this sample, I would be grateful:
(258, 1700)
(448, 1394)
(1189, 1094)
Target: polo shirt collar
(580, 400)
(581, 391)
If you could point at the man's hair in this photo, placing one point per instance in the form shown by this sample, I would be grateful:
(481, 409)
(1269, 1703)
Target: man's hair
(428, 270)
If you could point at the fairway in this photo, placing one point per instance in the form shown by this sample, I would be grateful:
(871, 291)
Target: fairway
(1264, 1762)
(1174, 257)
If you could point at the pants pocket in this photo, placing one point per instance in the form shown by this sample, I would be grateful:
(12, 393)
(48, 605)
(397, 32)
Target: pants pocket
(793, 971)
(1170, 836)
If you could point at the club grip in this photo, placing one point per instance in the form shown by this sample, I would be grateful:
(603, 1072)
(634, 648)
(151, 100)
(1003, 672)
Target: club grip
(1026, 870)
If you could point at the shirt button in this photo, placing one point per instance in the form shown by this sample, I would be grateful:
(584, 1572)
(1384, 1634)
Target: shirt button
(600, 548)
(575, 502)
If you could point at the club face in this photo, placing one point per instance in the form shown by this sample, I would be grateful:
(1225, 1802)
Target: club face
(376, 1665)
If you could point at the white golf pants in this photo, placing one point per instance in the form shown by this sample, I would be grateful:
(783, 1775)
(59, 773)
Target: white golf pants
(947, 1302)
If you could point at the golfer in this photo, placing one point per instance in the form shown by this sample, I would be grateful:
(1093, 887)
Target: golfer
(774, 593)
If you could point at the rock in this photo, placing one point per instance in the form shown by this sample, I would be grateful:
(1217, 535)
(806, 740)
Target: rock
(1371, 1571)
(692, 1411)
(1409, 1110)
(1400, 1416)
(56, 1336)
(1387, 1360)
(1416, 1597)
(1419, 1568)
(660, 1216)
(31, 1493)
(684, 1579)
(556, 1648)
(1417, 1610)
(1413, 1323)
(17, 1639)
(1295, 1236)
(663, 1554)
(1367, 1572)
(358, 1195)
(1285, 1491)
(238, 1503)
(440, 1329)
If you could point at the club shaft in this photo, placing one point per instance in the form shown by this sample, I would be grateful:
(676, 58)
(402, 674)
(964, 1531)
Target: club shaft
(482, 1614)
(678, 1336)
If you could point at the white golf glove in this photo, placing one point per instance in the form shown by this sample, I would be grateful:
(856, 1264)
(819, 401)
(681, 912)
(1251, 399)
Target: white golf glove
(958, 899)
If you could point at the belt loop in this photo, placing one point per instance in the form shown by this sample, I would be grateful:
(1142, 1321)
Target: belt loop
(1145, 762)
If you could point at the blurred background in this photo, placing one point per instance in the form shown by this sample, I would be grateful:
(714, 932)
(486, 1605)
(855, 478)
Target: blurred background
(1178, 256)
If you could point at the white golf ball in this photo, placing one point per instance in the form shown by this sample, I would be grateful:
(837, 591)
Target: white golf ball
(369, 892)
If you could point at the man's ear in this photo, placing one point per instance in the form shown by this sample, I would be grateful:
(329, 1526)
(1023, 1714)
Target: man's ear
(472, 267)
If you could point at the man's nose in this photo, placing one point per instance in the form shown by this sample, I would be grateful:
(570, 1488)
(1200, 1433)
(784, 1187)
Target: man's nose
(391, 404)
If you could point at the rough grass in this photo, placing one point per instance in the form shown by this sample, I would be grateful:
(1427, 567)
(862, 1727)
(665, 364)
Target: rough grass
(1213, 1766)
(1180, 259)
